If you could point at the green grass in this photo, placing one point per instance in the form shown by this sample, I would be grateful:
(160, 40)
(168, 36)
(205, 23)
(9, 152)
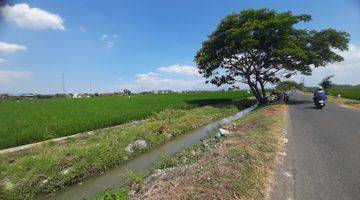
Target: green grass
(113, 194)
(349, 93)
(31, 121)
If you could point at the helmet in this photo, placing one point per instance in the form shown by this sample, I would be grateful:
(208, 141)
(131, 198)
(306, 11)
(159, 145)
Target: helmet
(319, 87)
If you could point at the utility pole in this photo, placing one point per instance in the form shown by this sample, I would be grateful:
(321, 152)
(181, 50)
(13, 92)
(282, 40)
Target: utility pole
(63, 83)
(91, 91)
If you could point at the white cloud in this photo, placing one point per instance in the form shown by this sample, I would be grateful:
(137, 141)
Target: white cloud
(169, 78)
(11, 76)
(109, 39)
(346, 72)
(179, 69)
(82, 29)
(10, 48)
(352, 54)
(131, 86)
(3, 61)
(147, 74)
(104, 36)
(155, 81)
(147, 77)
(110, 44)
(33, 18)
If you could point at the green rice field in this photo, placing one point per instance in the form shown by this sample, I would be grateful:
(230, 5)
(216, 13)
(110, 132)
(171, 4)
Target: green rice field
(31, 121)
(350, 93)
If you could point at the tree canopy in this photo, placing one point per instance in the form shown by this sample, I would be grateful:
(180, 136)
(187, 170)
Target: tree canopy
(285, 86)
(263, 46)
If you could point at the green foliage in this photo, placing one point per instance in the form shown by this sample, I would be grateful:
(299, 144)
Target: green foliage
(285, 86)
(36, 120)
(166, 161)
(188, 155)
(113, 194)
(257, 47)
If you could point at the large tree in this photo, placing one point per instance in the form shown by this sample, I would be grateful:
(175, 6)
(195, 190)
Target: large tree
(263, 46)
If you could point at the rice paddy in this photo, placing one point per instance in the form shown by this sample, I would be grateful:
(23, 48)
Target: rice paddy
(31, 121)
(349, 93)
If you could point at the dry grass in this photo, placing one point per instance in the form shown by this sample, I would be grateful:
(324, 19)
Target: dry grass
(240, 167)
(347, 102)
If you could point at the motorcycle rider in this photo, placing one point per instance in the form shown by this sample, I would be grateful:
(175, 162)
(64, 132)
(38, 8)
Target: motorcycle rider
(319, 94)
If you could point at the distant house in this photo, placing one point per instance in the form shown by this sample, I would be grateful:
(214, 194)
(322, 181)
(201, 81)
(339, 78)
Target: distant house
(162, 92)
(4, 96)
(193, 91)
(80, 95)
(166, 91)
(59, 95)
(27, 95)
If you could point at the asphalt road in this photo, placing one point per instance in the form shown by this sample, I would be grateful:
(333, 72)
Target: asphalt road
(322, 156)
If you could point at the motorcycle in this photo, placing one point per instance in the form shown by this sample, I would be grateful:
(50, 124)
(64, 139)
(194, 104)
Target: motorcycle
(319, 103)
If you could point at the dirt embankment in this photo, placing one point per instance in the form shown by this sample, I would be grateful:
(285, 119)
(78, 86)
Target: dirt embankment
(238, 167)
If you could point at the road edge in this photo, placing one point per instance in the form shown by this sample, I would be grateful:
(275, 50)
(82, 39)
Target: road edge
(282, 187)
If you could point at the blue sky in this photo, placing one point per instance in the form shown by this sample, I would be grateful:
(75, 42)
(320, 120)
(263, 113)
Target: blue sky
(140, 45)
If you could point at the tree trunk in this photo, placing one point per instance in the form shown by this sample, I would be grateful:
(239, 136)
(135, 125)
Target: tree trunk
(254, 89)
(263, 91)
(255, 93)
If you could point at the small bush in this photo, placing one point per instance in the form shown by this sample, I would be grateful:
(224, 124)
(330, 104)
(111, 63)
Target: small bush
(113, 194)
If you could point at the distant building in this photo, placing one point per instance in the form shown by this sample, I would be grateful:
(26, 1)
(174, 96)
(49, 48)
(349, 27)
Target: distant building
(4, 96)
(27, 95)
(165, 92)
(161, 92)
(80, 95)
(193, 91)
(60, 95)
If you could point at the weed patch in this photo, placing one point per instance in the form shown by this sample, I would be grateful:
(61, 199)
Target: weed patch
(113, 194)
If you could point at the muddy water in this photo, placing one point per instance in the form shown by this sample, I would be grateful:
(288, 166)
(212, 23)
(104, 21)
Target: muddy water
(114, 178)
